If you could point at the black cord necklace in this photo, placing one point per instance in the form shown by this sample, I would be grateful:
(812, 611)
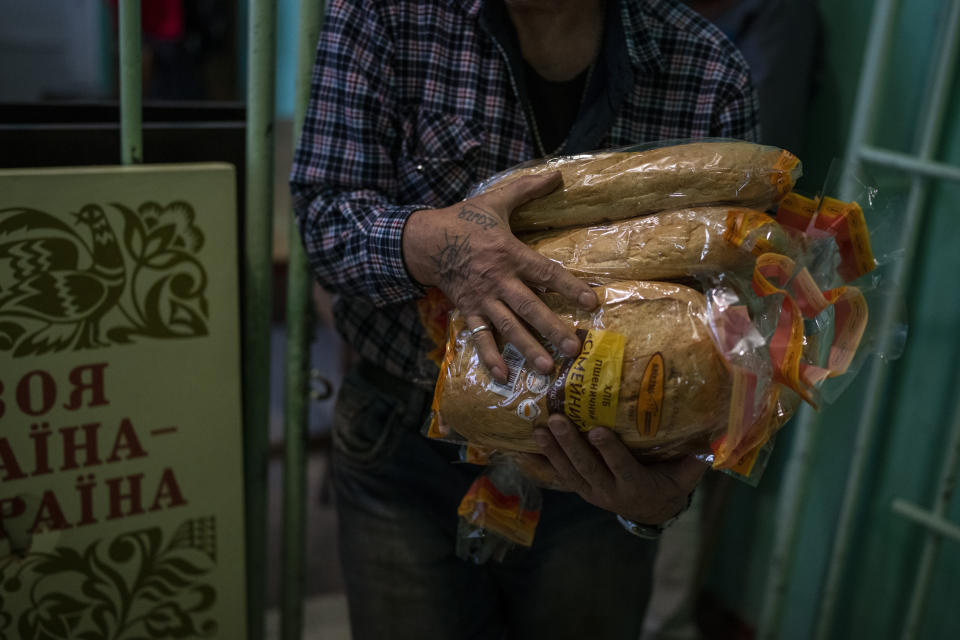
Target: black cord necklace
(535, 129)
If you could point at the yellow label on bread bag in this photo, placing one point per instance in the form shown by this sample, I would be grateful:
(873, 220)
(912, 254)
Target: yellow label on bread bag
(741, 223)
(781, 176)
(845, 222)
(650, 397)
(587, 388)
(796, 211)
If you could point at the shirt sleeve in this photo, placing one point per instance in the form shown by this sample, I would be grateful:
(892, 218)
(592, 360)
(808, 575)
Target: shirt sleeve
(738, 107)
(343, 183)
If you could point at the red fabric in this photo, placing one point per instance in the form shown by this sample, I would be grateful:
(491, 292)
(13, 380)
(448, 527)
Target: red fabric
(159, 19)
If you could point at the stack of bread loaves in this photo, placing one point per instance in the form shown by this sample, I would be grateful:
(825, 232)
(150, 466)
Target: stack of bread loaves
(644, 228)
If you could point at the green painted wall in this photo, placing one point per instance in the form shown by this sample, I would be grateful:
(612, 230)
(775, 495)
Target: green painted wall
(922, 395)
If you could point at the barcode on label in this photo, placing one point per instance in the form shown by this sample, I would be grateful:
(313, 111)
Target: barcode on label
(515, 361)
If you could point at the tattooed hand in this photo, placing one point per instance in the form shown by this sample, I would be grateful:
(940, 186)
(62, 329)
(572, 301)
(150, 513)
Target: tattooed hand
(468, 251)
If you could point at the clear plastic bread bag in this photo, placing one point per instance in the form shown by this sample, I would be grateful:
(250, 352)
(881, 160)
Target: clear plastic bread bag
(715, 320)
(648, 369)
(642, 179)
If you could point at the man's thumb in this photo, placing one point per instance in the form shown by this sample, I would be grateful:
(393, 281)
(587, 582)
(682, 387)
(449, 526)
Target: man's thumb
(526, 188)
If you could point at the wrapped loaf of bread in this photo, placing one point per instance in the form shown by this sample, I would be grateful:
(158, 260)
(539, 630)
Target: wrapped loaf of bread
(601, 187)
(668, 245)
(648, 369)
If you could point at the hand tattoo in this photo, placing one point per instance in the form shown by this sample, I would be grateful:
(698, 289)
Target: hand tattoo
(478, 217)
(453, 261)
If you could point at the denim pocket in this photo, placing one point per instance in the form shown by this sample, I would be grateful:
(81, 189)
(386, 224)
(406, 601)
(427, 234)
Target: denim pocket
(366, 424)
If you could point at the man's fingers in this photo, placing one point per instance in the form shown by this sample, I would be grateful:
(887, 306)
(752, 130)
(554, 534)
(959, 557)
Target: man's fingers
(547, 274)
(515, 332)
(538, 468)
(559, 461)
(481, 333)
(522, 190)
(586, 462)
(620, 461)
(533, 310)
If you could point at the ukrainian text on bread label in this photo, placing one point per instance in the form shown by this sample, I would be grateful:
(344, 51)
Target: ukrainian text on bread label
(587, 387)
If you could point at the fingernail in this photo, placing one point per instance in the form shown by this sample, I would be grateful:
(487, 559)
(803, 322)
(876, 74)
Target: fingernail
(557, 427)
(596, 435)
(497, 374)
(587, 300)
(543, 364)
(570, 347)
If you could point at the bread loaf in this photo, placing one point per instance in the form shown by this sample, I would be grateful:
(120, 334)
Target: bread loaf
(616, 185)
(663, 246)
(648, 369)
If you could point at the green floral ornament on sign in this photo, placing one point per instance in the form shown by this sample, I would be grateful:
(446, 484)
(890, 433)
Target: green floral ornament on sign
(135, 588)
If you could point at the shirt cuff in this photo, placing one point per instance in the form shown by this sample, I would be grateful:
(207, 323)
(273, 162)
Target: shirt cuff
(393, 282)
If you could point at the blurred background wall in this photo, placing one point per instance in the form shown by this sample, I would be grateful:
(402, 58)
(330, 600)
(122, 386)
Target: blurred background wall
(53, 49)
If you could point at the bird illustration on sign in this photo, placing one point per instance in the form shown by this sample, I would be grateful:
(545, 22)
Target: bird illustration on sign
(86, 286)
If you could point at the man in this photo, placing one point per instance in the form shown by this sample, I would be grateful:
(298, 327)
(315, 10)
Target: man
(412, 104)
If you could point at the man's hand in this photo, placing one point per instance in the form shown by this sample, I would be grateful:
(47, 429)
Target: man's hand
(608, 476)
(468, 251)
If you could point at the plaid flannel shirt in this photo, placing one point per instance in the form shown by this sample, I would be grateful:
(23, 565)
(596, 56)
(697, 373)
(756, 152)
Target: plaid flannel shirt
(415, 101)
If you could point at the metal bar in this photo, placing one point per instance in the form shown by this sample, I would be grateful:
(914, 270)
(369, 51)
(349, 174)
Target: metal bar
(874, 63)
(258, 271)
(933, 117)
(931, 547)
(791, 500)
(937, 523)
(793, 491)
(131, 83)
(904, 162)
(299, 327)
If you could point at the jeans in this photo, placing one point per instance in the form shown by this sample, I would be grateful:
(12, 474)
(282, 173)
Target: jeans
(397, 494)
